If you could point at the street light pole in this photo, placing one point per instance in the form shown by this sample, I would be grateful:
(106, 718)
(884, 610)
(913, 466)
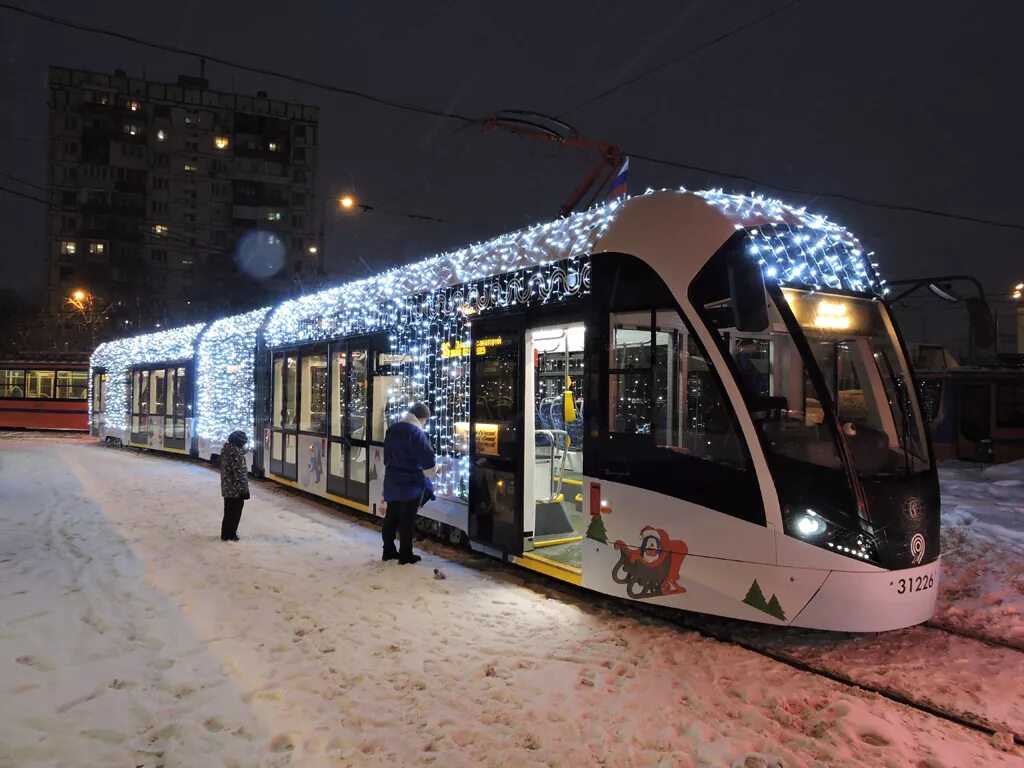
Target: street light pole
(84, 303)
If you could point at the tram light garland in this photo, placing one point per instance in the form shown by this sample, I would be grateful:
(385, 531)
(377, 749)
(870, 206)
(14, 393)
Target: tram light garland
(225, 377)
(119, 357)
(426, 308)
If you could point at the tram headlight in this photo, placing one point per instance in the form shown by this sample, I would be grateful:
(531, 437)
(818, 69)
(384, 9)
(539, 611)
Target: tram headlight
(809, 524)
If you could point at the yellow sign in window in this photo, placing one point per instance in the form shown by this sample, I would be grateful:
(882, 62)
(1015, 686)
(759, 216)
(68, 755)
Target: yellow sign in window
(461, 348)
(487, 439)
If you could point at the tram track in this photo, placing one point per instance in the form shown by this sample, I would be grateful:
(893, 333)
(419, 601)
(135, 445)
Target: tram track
(978, 636)
(764, 641)
(725, 630)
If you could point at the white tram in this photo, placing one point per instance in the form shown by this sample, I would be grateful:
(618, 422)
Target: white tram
(699, 400)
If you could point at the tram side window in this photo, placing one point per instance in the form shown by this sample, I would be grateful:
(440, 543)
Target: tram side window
(314, 394)
(278, 391)
(629, 368)
(693, 416)
(72, 385)
(39, 384)
(358, 391)
(99, 393)
(12, 383)
(339, 369)
(291, 370)
(159, 393)
(661, 385)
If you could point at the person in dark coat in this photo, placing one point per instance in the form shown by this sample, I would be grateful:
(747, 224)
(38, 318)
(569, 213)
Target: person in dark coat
(234, 483)
(409, 464)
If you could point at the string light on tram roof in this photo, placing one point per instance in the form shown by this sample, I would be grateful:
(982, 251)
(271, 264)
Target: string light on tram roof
(429, 304)
(118, 357)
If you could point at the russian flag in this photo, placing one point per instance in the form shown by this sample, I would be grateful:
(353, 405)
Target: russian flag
(619, 182)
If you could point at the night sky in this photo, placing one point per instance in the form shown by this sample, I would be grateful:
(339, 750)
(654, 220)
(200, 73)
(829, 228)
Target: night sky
(915, 103)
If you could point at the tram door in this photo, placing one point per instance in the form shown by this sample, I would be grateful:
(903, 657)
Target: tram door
(496, 429)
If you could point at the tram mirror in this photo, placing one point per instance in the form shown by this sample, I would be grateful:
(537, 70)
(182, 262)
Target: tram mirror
(749, 302)
(982, 324)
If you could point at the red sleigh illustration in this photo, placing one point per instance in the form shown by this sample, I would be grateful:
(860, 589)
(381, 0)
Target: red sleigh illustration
(652, 569)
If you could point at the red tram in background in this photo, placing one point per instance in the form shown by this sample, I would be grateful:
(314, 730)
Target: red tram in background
(44, 394)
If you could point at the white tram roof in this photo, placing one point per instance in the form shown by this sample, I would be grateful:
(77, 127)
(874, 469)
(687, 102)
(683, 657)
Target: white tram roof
(173, 345)
(811, 250)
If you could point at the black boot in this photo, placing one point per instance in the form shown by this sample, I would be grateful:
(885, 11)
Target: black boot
(409, 559)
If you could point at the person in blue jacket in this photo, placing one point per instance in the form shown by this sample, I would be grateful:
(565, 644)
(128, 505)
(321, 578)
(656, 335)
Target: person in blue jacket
(409, 464)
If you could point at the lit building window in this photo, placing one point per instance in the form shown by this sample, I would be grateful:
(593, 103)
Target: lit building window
(133, 106)
(161, 135)
(96, 248)
(159, 229)
(274, 216)
(67, 247)
(131, 129)
(221, 142)
(272, 146)
(190, 168)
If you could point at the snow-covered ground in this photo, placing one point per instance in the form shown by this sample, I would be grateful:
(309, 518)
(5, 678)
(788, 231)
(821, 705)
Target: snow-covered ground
(982, 587)
(130, 635)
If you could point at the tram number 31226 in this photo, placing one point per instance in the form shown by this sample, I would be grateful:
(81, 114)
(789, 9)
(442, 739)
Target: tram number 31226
(914, 584)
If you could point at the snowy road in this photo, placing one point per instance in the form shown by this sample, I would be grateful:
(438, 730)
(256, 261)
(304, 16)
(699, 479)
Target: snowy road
(131, 635)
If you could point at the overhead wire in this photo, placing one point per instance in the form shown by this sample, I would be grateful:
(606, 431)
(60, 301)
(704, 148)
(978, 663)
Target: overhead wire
(465, 119)
(685, 55)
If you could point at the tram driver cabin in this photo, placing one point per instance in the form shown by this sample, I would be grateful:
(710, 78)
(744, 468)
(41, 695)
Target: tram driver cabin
(692, 398)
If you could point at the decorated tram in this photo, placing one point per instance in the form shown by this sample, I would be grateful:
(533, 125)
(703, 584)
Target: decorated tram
(695, 399)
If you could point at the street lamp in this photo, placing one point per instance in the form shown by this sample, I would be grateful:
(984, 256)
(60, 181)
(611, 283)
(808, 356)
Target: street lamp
(1018, 292)
(84, 303)
(346, 203)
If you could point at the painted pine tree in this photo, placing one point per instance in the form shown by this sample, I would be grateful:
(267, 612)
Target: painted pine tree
(755, 597)
(775, 609)
(596, 530)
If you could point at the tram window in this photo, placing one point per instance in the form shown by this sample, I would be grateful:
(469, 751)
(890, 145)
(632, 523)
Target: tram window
(159, 392)
(40, 384)
(314, 393)
(339, 369)
(1010, 405)
(72, 385)
(357, 396)
(629, 396)
(179, 395)
(291, 370)
(692, 414)
(99, 392)
(661, 385)
(278, 391)
(172, 389)
(630, 373)
(383, 386)
(12, 383)
(143, 392)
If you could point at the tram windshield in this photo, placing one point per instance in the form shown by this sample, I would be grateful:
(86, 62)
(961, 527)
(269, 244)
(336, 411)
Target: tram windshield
(852, 344)
(856, 350)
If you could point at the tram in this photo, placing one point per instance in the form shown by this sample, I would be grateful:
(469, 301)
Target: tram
(695, 399)
(44, 395)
